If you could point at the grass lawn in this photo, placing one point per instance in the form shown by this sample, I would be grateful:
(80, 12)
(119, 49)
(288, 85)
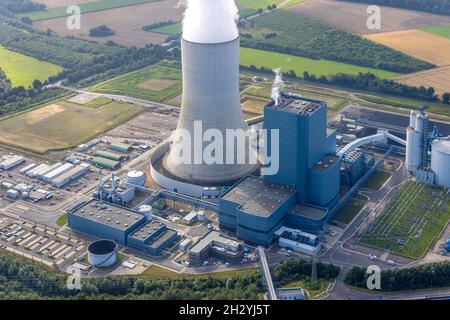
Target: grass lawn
(442, 30)
(156, 272)
(312, 292)
(349, 210)
(23, 70)
(62, 125)
(155, 83)
(62, 220)
(286, 62)
(377, 179)
(411, 222)
(87, 7)
(98, 102)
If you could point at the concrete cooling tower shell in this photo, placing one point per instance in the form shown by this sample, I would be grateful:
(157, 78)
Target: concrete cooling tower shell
(211, 97)
(440, 161)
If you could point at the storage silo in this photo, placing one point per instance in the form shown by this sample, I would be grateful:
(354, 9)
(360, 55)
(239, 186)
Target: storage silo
(136, 177)
(146, 210)
(102, 253)
(440, 161)
(413, 149)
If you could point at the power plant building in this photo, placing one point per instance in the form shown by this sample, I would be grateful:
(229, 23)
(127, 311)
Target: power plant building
(124, 226)
(306, 185)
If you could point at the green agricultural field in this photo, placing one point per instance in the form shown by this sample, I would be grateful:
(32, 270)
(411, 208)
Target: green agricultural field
(411, 222)
(442, 30)
(286, 62)
(23, 70)
(61, 125)
(156, 83)
(169, 30)
(285, 31)
(87, 7)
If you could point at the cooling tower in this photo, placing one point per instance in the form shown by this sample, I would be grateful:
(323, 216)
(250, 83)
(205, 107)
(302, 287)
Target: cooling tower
(210, 96)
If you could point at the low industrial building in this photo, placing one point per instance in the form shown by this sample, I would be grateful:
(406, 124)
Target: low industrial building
(295, 293)
(299, 241)
(217, 246)
(115, 191)
(152, 238)
(49, 176)
(120, 147)
(124, 226)
(109, 155)
(10, 161)
(70, 175)
(105, 163)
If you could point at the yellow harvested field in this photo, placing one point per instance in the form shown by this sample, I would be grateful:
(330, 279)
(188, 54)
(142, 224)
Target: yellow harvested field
(127, 23)
(419, 44)
(352, 17)
(438, 78)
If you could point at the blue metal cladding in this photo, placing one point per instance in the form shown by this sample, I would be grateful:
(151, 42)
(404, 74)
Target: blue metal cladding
(101, 230)
(227, 214)
(253, 228)
(304, 140)
(323, 185)
(141, 245)
(304, 223)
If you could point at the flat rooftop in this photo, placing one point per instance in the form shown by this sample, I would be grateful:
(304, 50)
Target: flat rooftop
(257, 196)
(307, 212)
(298, 105)
(168, 233)
(213, 236)
(325, 163)
(108, 214)
(147, 230)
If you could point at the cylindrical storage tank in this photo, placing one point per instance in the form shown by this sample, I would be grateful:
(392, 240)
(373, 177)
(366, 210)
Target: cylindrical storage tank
(419, 123)
(136, 177)
(440, 161)
(146, 210)
(102, 253)
(413, 150)
(412, 119)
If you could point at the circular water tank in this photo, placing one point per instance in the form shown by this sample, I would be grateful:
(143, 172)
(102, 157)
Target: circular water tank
(440, 161)
(136, 177)
(146, 209)
(102, 253)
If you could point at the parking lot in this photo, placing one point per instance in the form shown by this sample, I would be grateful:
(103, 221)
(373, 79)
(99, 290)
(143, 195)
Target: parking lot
(40, 243)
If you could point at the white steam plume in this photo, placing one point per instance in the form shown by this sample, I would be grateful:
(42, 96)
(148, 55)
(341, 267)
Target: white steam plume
(277, 86)
(210, 21)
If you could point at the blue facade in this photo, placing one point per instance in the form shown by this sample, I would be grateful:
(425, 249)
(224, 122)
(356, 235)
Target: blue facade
(304, 141)
(101, 230)
(149, 245)
(324, 182)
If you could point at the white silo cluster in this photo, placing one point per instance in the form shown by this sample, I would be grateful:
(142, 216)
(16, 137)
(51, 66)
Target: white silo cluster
(416, 141)
(440, 161)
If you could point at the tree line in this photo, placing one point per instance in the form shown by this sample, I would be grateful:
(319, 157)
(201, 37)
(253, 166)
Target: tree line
(362, 81)
(22, 279)
(10, 7)
(432, 6)
(156, 25)
(428, 276)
